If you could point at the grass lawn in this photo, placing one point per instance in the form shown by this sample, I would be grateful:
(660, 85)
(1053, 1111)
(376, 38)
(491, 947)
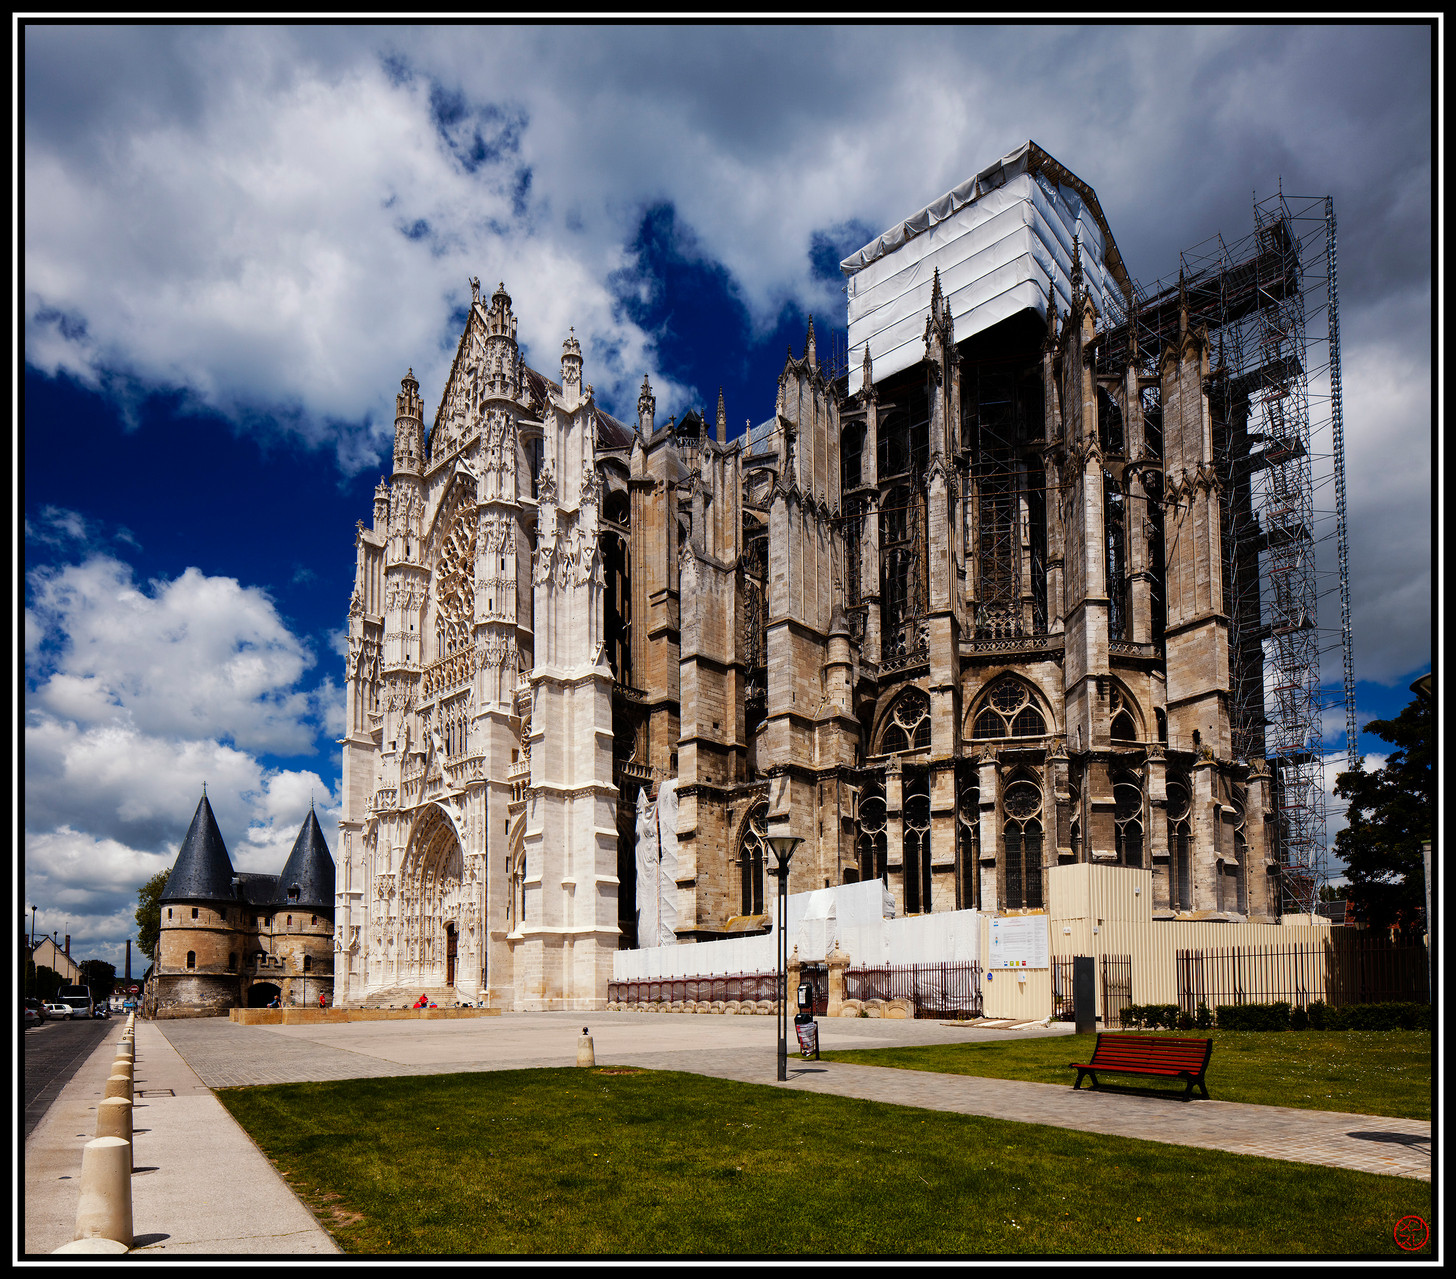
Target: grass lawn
(614, 1160)
(1384, 1072)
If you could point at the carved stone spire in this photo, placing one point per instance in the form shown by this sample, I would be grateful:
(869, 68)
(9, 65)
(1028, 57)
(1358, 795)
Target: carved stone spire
(722, 426)
(646, 409)
(571, 366)
(810, 356)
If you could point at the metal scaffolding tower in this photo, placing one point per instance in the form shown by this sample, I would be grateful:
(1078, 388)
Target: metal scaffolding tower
(1275, 399)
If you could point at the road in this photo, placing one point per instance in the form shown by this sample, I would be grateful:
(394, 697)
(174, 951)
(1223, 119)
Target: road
(53, 1052)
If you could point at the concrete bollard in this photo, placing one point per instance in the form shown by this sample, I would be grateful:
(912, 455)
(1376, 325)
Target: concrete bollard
(113, 1118)
(585, 1053)
(118, 1086)
(123, 1066)
(92, 1245)
(105, 1208)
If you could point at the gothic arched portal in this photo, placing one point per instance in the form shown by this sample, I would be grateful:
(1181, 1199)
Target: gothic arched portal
(435, 907)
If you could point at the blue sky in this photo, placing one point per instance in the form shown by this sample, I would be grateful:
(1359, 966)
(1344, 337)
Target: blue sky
(236, 241)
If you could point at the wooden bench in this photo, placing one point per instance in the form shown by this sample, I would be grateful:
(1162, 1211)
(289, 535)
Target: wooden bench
(1155, 1055)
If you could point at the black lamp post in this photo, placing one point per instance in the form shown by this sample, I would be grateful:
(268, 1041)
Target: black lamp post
(783, 849)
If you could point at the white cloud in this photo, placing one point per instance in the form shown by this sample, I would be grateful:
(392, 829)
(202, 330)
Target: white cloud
(190, 657)
(138, 697)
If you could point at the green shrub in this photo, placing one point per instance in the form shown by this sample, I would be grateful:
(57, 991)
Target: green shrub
(1298, 1019)
(1253, 1016)
(1203, 1019)
(1380, 1017)
(1319, 1015)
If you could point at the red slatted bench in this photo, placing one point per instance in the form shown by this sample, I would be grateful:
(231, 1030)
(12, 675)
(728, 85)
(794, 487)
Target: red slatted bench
(1156, 1055)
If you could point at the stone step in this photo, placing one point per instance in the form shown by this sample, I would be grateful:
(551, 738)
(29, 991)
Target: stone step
(405, 996)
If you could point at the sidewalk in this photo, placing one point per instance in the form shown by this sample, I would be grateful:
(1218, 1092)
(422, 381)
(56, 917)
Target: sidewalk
(201, 1186)
(199, 1183)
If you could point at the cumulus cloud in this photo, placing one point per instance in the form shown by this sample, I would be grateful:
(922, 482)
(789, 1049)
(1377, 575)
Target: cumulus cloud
(189, 657)
(137, 696)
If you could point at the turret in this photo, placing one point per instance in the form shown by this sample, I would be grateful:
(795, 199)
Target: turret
(409, 427)
(307, 880)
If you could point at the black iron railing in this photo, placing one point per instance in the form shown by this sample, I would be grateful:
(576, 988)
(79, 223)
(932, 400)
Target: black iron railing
(937, 990)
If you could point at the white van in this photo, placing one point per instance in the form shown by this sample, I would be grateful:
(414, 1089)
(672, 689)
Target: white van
(79, 999)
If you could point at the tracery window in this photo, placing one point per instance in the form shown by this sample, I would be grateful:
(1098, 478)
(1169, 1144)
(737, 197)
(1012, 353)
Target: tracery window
(1127, 819)
(907, 727)
(1240, 869)
(871, 842)
(1009, 711)
(1124, 722)
(1180, 847)
(752, 858)
(1021, 806)
(968, 835)
(915, 816)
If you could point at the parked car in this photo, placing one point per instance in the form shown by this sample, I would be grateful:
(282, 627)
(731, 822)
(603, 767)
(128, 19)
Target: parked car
(60, 1012)
(34, 1013)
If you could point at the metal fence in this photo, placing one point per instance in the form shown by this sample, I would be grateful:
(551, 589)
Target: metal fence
(671, 990)
(1116, 988)
(1350, 968)
(1062, 1006)
(937, 990)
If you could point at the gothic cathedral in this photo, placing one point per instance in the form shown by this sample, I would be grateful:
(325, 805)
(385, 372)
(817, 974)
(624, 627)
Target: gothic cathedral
(954, 626)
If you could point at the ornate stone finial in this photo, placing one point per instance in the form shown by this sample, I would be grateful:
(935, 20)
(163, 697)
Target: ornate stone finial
(721, 428)
(646, 409)
(571, 363)
(937, 300)
(1076, 266)
(810, 354)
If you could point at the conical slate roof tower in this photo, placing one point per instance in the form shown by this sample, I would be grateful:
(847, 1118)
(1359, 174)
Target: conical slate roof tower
(309, 871)
(203, 871)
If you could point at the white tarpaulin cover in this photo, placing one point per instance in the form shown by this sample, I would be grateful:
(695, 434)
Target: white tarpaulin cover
(657, 867)
(999, 241)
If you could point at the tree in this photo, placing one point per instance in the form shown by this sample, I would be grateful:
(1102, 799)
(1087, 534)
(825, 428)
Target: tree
(100, 977)
(149, 912)
(1391, 813)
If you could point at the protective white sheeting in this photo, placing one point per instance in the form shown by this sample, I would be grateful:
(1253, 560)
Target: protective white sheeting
(648, 881)
(860, 917)
(667, 867)
(657, 867)
(998, 245)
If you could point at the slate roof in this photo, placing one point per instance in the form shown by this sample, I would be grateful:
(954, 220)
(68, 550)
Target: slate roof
(310, 870)
(203, 871)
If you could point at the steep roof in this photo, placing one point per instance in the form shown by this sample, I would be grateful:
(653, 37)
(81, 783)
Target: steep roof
(203, 871)
(310, 867)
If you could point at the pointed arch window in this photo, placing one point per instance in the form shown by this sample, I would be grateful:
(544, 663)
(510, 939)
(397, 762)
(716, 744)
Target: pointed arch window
(1022, 833)
(1127, 819)
(872, 841)
(907, 727)
(1180, 847)
(1124, 726)
(1009, 711)
(752, 845)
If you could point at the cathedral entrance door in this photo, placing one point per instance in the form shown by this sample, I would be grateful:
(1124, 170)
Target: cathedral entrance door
(451, 937)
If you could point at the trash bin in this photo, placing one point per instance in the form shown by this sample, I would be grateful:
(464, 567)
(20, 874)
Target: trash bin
(808, 1031)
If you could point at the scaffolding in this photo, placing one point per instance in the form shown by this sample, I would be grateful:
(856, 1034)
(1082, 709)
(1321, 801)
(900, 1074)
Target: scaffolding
(1275, 400)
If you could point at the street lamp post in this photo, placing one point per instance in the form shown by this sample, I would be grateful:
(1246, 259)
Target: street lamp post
(783, 849)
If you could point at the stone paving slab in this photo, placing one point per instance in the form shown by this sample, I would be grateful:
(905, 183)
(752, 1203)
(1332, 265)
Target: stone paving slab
(199, 1184)
(745, 1048)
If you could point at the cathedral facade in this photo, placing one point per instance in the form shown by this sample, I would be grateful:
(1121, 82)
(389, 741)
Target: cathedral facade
(953, 623)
